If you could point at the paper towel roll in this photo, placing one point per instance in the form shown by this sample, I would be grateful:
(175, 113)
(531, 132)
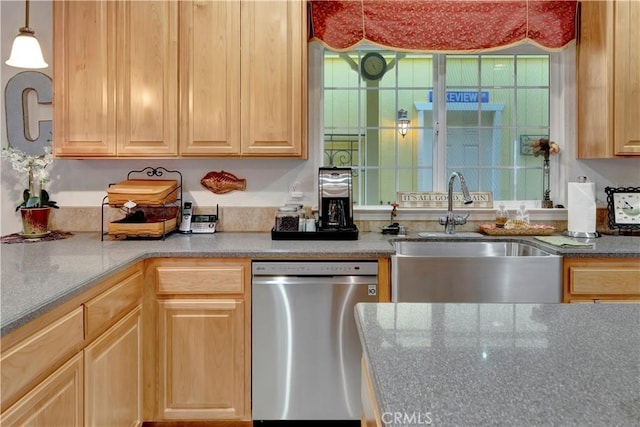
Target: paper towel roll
(581, 205)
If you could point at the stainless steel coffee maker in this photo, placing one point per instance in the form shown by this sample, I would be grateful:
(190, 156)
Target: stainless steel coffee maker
(335, 202)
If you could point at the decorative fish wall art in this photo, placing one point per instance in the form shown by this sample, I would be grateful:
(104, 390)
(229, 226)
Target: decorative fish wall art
(223, 182)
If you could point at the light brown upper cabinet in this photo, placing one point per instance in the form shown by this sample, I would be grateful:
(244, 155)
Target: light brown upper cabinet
(115, 78)
(274, 78)
(243, 83)
(190, 79)
(608, 79)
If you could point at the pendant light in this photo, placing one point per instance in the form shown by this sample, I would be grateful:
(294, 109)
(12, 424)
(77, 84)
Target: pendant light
(26, 52)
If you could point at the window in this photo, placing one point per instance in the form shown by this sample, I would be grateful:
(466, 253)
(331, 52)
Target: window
(475, 114)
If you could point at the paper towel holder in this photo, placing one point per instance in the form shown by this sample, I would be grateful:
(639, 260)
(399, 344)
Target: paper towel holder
(582, 234)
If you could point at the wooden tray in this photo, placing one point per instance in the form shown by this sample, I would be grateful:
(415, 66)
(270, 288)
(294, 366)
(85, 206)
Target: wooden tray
(143, 191)
(153, 227)
(542, 230)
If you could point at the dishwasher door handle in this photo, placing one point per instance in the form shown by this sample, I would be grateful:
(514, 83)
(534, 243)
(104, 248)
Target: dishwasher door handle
(314, 280)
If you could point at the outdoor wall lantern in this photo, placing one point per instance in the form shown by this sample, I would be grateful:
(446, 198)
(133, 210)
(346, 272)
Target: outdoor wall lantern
(403, 122)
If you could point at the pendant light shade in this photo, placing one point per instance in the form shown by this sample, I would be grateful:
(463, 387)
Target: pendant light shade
(26, 52)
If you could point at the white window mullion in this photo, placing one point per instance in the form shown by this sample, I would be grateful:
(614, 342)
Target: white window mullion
(440, 123)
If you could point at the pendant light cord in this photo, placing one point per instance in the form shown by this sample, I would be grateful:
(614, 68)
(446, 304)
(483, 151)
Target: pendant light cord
(26, 28)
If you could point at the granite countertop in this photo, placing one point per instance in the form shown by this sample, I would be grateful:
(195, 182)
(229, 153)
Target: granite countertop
(39, 276)
(503, 364)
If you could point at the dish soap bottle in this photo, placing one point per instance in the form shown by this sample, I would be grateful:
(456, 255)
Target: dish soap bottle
(522, 214)
(502, 216)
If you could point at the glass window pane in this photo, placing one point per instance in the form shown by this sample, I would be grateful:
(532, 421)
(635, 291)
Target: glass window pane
(533, 70)
(341, 109)
(414, 70)
(342, 148)
(533, 107)
(462, 70)
(495, 104)
(497, 71)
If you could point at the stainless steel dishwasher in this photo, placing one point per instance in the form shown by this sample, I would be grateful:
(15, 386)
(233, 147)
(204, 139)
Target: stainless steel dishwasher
(305, 348)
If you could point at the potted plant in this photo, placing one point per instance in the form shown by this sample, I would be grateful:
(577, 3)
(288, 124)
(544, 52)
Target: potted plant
(36, 205)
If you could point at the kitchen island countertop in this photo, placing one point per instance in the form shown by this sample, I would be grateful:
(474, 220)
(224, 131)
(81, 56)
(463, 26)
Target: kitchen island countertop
(38, 276)
(503, 364)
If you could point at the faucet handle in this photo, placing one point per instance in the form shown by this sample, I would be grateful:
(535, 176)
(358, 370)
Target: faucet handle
(460, 220)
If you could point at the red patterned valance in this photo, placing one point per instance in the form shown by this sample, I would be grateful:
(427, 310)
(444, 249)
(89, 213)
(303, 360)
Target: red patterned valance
(443, 25)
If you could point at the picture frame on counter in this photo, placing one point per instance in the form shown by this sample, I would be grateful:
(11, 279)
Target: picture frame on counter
(623, 206)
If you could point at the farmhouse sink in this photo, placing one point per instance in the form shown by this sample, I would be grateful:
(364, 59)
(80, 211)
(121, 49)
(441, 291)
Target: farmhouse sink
(457, 271)
(468, 249)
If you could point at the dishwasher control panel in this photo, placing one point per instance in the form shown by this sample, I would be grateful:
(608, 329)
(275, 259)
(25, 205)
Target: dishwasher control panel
(315, 268)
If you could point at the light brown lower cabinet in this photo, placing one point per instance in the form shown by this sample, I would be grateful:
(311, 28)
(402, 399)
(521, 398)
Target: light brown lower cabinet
(80, 364)
(56, 401)
(202, 359)
(113, 375)
(611, 280)
(202, 351)
(370, 414)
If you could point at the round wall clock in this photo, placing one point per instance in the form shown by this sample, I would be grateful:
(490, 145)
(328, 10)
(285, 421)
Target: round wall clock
(373, 66)
(623, 204)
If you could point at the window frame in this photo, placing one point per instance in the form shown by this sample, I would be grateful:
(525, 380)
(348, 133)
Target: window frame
(562, 109)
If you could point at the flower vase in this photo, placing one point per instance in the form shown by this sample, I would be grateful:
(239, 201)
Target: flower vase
(35, 221)
(547, 203)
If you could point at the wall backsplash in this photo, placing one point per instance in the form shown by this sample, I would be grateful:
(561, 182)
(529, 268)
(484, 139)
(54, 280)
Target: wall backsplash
(243, 219)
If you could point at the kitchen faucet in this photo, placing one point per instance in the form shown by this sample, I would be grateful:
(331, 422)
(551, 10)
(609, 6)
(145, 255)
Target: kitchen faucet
(450, 221)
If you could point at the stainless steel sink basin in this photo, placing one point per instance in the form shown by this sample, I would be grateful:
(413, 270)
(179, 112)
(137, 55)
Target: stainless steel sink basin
(450, 236)
(475, 272)
(467, 249)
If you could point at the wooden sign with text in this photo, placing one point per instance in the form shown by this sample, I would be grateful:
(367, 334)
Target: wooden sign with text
(440, 200)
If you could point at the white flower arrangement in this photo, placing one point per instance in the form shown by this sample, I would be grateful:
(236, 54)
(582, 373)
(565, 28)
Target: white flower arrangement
(35, 166)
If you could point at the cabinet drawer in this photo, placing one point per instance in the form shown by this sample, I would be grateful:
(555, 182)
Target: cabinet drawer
(37, 355)
(203, 279)
(108, 307)
(605, 280)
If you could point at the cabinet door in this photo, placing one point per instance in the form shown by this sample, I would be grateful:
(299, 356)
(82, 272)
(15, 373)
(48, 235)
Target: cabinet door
(608, 79)
(147, 76)
(39, 354)
(274, 78)
(370, 412)
(209, 78)
(601, 279)
(202, 359)
(57, 401)
(84, 79)
(113, 375)
(627, 77)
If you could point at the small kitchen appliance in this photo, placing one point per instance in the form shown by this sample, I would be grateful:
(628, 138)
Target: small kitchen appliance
(335, 199)
(204, 223)
(335, 211)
